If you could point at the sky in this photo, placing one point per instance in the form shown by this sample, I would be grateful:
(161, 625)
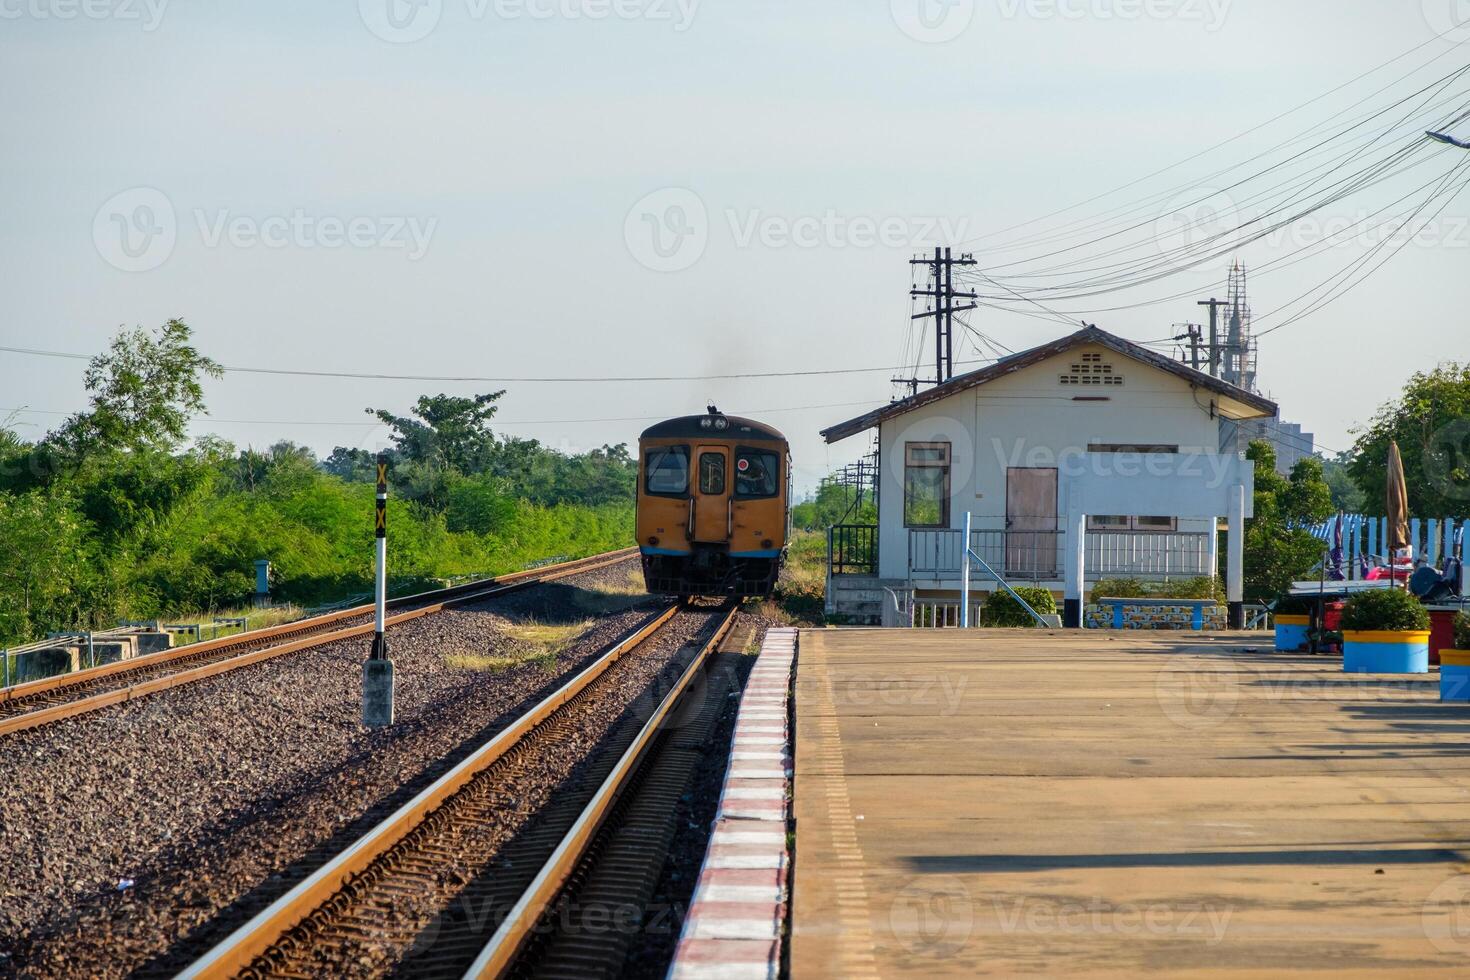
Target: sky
(662, 189)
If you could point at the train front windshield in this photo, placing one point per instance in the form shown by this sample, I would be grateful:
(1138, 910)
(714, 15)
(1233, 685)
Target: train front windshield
(757, 473)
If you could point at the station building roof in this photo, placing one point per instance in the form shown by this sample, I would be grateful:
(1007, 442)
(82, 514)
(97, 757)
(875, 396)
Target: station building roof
(1233, 402)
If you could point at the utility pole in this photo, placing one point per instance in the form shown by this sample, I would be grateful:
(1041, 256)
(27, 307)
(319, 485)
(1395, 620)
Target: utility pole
(1193, 335)
(377, 671)
(941, 268)
(1214, 305)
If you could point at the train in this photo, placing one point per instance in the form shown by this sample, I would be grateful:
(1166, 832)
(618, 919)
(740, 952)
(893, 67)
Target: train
(714, 517)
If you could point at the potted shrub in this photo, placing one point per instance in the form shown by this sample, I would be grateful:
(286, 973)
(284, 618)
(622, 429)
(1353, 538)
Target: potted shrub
(1292, 615)
(1454, 665)
(1385, 631)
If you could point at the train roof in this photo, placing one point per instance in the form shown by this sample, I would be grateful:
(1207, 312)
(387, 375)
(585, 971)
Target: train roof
(692, 427)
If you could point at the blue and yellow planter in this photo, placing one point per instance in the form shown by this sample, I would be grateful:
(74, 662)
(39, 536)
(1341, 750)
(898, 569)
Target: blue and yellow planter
(1291, 633)
(1385, 651)
(1454, 675)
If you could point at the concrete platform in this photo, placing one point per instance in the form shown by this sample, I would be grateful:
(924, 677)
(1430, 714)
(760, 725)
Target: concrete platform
(1007, 803)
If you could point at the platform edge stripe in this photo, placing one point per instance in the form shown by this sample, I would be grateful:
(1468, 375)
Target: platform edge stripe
(723, 934)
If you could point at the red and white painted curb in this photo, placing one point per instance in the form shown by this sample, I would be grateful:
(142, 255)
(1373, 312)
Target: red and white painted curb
(732, 930)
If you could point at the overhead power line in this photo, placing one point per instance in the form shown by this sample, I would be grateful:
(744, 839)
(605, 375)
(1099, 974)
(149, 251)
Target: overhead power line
(376, 376)
(360, 423)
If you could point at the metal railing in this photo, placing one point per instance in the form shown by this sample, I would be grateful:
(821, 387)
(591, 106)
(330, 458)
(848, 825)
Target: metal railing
(1036, 556)
(1148, 554)
(1027, 556)
(852, 549)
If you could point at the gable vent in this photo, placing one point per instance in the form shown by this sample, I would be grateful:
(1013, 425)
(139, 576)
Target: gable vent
(1092, 371)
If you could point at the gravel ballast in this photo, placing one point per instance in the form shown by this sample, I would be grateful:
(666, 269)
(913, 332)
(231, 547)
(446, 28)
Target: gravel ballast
(139, 835)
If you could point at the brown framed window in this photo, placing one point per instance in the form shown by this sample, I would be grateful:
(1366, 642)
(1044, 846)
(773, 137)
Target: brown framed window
(712, 473)
(926, 484)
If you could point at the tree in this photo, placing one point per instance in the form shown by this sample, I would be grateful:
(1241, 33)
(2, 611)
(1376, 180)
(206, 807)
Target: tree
(444, 436)
(1278, 547)
(1431, 424)
(446, 432)
(1346, 496)
(834, 503)
(46, 556)
(1307, 499)
(144, 390)
(351, 465)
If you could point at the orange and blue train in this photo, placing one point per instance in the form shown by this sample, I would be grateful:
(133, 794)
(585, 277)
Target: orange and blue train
(713, 506)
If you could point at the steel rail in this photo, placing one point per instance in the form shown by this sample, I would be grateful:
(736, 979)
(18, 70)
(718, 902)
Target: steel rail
(318, 633)
(520, 923)
(247, 943)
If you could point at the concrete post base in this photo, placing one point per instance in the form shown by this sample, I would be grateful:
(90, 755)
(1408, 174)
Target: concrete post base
(1072, 613)
(377, 693)
(1236, 613)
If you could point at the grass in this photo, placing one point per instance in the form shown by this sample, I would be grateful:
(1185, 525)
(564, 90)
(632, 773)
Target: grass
(536, 643)
(801, 591)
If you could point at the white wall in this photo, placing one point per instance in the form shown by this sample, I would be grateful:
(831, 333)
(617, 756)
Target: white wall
(1030, 419)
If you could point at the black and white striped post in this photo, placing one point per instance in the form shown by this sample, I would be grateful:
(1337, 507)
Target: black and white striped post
(377, 671)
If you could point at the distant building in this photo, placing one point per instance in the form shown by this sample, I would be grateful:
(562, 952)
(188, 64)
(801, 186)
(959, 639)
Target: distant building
(1287, 438)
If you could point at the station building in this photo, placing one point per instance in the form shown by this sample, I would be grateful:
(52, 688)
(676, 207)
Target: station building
(1086, 458)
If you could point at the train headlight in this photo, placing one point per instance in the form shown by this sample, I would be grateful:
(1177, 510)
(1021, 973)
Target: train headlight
(722, 423)
(768, 543)
(653, 541)
(706, 423)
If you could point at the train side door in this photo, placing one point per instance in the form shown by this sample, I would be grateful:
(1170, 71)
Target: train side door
(710, 495)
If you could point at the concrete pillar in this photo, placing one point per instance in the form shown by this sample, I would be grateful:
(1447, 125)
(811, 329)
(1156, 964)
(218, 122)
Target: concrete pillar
(1074, 556)
(377, 693)
(1235, 559)
(35, 665)
(1212, 548)
(965, 573)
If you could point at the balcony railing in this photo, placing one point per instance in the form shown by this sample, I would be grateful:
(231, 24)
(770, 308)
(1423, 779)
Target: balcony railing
(1145, 554)
(852, 549)
(1037, 556)
(1026, 556)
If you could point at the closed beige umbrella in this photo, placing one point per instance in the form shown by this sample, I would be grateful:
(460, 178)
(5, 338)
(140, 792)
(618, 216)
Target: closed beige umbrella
(1398, 506)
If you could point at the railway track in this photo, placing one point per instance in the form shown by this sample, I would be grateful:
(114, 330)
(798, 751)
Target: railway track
(432, 891)
(51, 699)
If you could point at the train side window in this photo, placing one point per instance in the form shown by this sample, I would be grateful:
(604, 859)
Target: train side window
(712, 473)
(757, 473)
(667, 470)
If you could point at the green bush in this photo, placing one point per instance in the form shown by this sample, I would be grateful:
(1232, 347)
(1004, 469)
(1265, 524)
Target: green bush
(1462, 631)
(1203, 587)
(1385, 609)
(1001, 609)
